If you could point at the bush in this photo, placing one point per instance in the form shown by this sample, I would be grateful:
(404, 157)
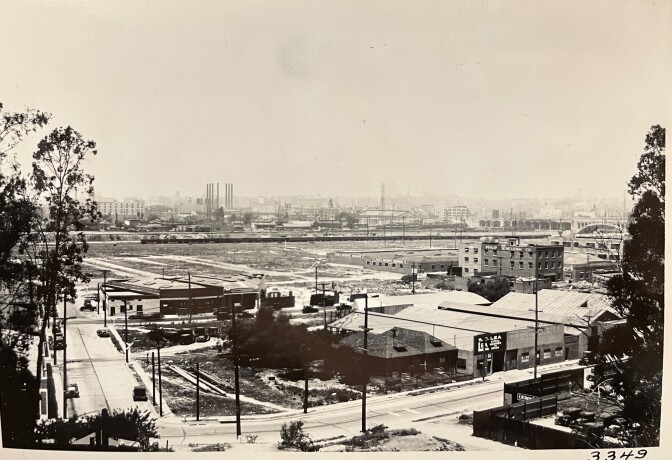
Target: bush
(293, 437)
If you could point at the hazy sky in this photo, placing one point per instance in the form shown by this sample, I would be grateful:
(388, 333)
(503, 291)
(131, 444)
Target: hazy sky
(483, 99)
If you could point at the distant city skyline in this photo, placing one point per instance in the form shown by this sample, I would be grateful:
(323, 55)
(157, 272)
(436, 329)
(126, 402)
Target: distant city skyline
(483, 100)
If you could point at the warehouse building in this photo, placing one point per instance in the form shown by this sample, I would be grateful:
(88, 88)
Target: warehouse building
(400, 261)
(501, 336)
(180, 295)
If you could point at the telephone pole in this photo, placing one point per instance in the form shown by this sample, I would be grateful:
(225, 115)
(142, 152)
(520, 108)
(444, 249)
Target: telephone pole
(104, 297)
(65, 361)
(236, 371)
(189, 277)
(366, 365)
(126, 327)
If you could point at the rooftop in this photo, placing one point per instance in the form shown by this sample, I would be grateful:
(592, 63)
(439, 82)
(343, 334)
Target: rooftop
(398, 342)
(566, 304)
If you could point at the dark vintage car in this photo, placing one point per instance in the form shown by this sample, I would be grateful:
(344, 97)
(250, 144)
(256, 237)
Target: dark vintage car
(140, 393)
(88, 306)
(145, 316)
(103, 332)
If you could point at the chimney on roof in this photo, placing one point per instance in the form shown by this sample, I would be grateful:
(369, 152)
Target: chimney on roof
(394, 332)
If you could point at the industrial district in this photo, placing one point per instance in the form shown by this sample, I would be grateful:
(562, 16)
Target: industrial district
(226, 317)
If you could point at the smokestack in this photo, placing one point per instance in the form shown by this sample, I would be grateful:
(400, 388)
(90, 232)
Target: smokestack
(217, 201)
(232, 196)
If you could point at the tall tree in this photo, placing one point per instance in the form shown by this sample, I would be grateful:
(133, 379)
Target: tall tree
(637, 293)
(58, 244)
(18, 387)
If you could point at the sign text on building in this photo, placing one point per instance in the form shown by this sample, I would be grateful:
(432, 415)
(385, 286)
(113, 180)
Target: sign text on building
(502, 247)
(490, 342)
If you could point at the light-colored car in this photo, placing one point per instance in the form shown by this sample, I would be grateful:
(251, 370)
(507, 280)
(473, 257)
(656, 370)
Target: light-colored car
(72, 391)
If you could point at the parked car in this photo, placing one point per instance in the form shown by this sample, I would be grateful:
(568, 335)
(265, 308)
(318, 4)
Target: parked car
(72, 391)
(140, 393)
(87, 308)
(145, 316)
(308, 309)
(103, 332)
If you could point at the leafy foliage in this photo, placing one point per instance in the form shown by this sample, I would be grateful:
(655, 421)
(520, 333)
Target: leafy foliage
(18, 387)
(130, 424)
(293, 437)
(57, 177)
(636, 351)
(491, 291)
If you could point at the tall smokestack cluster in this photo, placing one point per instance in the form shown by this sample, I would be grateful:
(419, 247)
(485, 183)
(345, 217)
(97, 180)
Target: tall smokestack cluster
(211, 198)
(228, 196)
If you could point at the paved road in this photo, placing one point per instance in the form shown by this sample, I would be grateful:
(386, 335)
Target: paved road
(425, 413)
(100, 371)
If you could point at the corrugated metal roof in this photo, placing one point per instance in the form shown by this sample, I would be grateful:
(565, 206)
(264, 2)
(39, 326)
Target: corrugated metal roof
(432, 300)
(566, 304)
(398, 342)
(379, 324)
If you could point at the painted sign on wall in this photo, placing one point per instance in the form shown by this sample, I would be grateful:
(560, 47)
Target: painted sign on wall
(490, 342)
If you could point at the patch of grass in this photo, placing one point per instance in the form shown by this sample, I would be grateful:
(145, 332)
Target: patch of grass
(182, 401)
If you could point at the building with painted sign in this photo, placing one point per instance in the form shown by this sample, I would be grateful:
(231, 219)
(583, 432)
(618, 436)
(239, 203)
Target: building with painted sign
(501, 336)
(513, 259)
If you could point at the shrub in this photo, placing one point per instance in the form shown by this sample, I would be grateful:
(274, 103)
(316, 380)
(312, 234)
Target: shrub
(293, 437)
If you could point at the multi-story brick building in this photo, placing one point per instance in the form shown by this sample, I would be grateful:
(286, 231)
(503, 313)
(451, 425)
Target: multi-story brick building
(122, 208)
(470, 258)
(513, 259)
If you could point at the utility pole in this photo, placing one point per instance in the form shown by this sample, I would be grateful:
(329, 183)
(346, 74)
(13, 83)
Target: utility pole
(153, 382)
(324, 307)
(198, 393)
(189, 275)
(126, 327)
(104, 297)
(413, 275)
(366, 365)
(536, 323)
(158, 351)
(65, 361)
(430, 236)
(316, 277)
(235, 365)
